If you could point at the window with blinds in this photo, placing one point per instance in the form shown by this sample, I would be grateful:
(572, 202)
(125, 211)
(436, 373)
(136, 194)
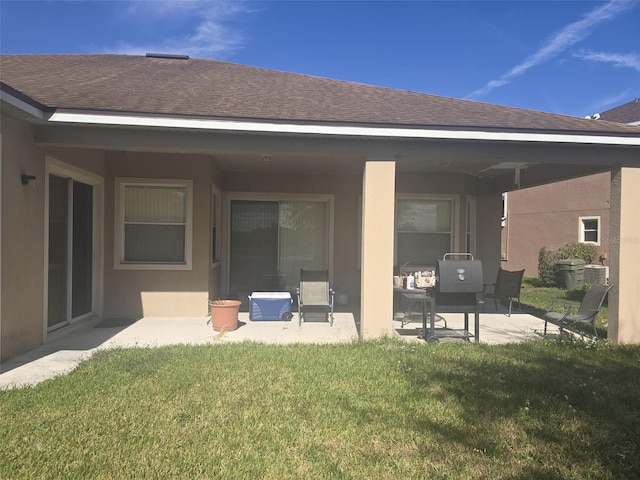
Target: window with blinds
(423, 230)
(155, 223)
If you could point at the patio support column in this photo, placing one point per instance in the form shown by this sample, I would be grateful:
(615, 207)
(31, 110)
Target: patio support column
(378, 207)
(488, 234)
(624, 252)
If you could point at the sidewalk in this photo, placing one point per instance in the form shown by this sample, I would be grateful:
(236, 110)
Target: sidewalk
(62, 354)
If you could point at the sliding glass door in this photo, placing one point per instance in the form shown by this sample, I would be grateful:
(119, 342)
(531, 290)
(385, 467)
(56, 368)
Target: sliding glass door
(70, 279)
(58, 250)
(303, 239)
(254, 246)
(82, 251)
(270, 241)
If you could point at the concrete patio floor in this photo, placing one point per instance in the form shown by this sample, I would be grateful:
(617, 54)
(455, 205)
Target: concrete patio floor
(66, 349)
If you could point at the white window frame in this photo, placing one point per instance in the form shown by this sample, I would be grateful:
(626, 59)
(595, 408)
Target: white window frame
(118, 254)
(581, 229)
(471, 222)
(505, 209)
(454, 199)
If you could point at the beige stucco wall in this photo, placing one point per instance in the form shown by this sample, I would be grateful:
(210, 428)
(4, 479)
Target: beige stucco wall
(22, 261)
(624, 298)
(23, 214)
(91, 161)
(488, 211)
(415, 182)
(149, 293)
(377, 249)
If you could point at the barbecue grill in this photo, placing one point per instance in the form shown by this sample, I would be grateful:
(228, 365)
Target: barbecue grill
(458, 283)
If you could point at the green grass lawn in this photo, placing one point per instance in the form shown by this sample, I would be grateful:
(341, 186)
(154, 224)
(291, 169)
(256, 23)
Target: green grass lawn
(386, 409)
(536, 301)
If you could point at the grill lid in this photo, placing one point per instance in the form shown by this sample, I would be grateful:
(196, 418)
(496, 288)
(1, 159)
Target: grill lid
(459, 276)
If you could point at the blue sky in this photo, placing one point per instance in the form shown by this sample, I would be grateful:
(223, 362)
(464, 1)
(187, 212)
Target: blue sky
(569, 57)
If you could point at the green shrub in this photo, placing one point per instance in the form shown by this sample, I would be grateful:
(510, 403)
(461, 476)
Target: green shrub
(547, 257)
(547, 270)
(585, 251)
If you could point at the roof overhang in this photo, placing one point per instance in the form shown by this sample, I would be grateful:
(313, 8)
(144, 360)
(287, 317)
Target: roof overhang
(480, 153)
(124, 120)
(21, 103)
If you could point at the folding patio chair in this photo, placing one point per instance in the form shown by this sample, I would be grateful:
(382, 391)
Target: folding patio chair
(507, 287)
(587, 312)
(314, 294)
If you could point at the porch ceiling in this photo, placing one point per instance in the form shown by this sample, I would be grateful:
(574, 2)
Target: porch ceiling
(284, 162)
(538, 162)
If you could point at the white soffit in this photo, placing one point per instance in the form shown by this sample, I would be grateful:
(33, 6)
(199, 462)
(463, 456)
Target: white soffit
(330, 130)
(22, 105)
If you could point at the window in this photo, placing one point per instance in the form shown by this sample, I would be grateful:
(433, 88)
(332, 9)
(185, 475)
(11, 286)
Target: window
(424, 230)
(153, 224)
(590, 230)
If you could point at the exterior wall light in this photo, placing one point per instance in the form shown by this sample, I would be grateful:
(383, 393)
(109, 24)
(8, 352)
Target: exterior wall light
(25, 179)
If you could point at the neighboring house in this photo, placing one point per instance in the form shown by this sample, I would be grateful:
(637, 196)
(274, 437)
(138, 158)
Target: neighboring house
(142, 186)
(570, 211)
(628, 113)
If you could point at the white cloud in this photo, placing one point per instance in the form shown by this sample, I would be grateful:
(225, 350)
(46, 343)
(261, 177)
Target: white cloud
(560, 41)
(210, 37)
(628, 60)
(614, 100)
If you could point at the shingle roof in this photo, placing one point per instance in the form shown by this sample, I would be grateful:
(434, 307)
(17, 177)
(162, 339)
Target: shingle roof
(626, 113)
(221, 90)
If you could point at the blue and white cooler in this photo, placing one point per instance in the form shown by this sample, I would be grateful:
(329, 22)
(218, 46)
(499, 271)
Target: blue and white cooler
(270, 306)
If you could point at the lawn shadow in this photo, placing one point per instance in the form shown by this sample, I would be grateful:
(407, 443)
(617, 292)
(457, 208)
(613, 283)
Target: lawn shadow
(577, 408)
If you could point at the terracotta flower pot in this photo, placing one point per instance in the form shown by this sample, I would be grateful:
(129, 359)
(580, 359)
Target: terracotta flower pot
(224, 314)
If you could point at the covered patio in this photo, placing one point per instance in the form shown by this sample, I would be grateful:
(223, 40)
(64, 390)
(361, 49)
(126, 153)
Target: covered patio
(196, 179)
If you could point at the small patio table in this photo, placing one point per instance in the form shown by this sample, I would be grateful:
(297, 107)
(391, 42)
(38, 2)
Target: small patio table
(408, 295)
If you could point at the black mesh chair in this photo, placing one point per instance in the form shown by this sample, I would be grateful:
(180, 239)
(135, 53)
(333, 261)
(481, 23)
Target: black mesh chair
(587, 312)
(507, 287)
